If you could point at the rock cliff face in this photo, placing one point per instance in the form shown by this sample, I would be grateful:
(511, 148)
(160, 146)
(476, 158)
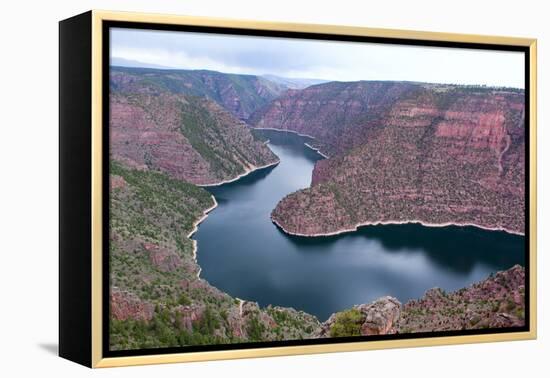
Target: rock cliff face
(239, 94)
(190, 138)
(427, 153)
(338, 114)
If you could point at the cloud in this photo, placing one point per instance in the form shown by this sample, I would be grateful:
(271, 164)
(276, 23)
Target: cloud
(329, 60)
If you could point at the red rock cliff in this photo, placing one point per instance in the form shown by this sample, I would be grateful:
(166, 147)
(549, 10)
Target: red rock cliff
(436, 154)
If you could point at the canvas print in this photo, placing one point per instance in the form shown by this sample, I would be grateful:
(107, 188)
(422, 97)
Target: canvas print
(269, 189)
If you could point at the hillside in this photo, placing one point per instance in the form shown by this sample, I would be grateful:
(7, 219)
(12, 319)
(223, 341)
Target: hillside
(157, 298)
(405, 152)
(190, 138)
(337, 114)
(239, 94)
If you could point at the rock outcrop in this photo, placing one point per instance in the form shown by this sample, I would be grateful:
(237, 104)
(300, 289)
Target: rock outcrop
(189, 316)
(126, 305)
(164, 259)
(378, 318)
(116, 182)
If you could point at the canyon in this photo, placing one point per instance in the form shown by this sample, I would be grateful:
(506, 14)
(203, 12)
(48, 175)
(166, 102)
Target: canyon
(158, 298)
(396, 152)
(405, 152)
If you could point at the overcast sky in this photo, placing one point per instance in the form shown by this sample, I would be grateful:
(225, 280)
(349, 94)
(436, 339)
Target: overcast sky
(299, 58)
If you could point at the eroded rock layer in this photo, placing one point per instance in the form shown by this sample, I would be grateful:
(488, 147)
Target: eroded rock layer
(190, 138)
(433, 154)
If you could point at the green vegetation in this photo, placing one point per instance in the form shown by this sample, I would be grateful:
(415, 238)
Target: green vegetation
(348, 323)
(151, 217)
(153, 209)
(134, 334)
(203, 130)
(255, 329)
(154, 196)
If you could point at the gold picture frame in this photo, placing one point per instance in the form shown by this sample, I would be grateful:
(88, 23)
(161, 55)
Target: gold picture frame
(89, 268)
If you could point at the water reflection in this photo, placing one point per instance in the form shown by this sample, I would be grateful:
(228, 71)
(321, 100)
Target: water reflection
(456, 248)
(243, 253)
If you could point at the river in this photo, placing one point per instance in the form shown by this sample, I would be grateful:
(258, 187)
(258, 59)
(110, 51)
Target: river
(244, 254)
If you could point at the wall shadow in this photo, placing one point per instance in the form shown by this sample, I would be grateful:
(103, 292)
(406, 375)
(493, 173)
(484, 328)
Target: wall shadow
(456, 248)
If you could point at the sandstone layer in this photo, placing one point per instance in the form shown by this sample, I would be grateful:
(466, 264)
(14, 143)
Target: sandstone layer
(432, 154)
(190, 138)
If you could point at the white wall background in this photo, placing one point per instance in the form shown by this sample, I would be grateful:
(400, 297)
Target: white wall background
(28, 200)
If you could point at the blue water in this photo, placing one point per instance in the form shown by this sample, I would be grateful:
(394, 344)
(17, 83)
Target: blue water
(244, 254)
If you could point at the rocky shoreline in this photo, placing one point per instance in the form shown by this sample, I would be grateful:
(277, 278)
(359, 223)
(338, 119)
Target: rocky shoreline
(383, 223)
(318, 150)
(246, 173)
(195, 229)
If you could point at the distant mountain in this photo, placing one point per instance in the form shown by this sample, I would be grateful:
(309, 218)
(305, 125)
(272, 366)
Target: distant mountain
(294, 83)
(402, 152)
(122, 62)
(337, 114)
(240, 94)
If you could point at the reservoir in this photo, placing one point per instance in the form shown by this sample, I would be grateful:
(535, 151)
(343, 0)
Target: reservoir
(244, 254)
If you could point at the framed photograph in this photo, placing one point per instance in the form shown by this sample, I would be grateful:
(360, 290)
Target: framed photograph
(235, 189)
